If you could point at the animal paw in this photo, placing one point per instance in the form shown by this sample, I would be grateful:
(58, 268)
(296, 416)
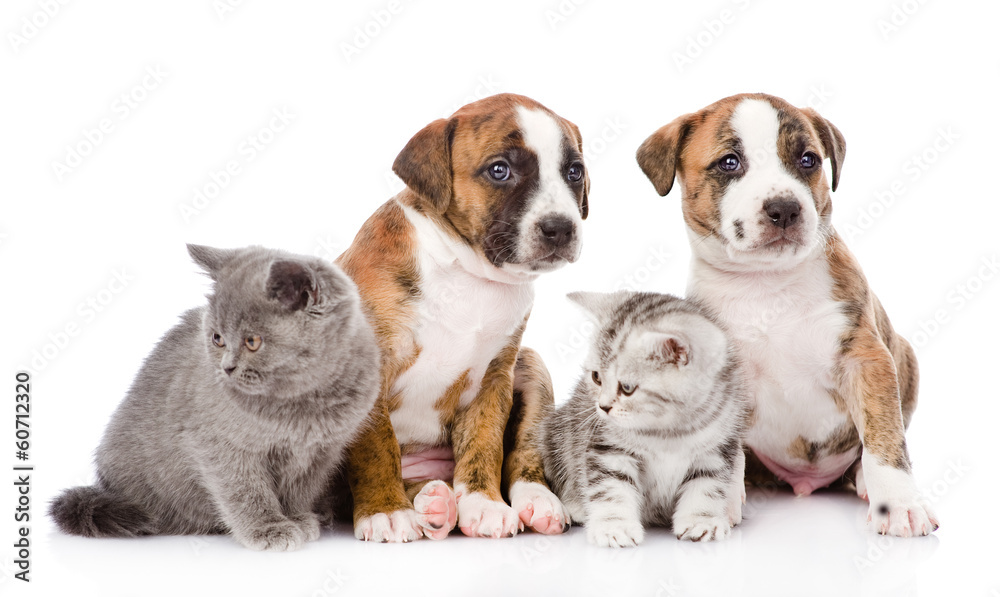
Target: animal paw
(437, 510)
(308, 523)
(701, 528)
(895, 506)
(615, 533)
(902, 518)
(859, 484)
(734, 510)
(539, 508)
(734, 504)
(479, 516)
(400, 526)
(737, 492)
(284, 535)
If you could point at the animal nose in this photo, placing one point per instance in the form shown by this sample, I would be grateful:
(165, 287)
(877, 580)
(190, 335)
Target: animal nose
(606, 409)
(556, 230)
(229, 370)
(783, 213)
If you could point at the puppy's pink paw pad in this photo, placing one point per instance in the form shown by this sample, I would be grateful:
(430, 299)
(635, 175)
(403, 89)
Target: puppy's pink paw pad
(436, 508)
(538, 508)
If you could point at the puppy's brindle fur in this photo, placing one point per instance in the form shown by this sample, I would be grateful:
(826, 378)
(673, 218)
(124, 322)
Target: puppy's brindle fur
(764, 251)
(453, 205)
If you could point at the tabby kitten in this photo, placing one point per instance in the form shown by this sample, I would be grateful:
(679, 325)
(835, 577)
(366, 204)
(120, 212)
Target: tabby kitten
(240, 415)
(653, 432)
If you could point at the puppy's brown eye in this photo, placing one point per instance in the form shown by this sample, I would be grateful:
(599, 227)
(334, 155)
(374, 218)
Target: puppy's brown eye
(253, 343)
(218, 341)
(499, 171)
(575, 172)
(596, 377)
(626, 389)
(808, 160)
(729, 163)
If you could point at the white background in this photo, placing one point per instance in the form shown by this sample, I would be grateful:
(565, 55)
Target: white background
(924, 86)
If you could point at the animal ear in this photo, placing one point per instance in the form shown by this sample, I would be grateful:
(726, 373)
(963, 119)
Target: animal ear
(584, 201)
(833, 143)
(292, 284)
(667, 349)
(657, 156)
(425, 163)
(210, 259)
(598, 304)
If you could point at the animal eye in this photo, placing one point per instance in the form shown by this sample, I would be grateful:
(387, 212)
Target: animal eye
(499, 171)
(596, 377)
(218, 341)
(253, 343)
(575, 172)
(729, 163)
(626, 389)
(808, 160)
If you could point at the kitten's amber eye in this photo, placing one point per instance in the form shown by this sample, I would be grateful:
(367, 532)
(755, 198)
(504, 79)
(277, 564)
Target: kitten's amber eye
(596, 377)
(626, 389)
(253, 343)
(218, 341)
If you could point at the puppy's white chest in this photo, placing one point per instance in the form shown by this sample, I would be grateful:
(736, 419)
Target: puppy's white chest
(463, 322)
(787, 331)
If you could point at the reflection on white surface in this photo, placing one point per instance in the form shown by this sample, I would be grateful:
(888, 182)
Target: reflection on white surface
(817, 545)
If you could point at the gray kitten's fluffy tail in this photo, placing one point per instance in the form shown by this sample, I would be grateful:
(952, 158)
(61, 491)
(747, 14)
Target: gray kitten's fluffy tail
(96, 512)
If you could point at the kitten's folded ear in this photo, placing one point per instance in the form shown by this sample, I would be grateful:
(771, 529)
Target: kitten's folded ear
(292, 284)
(210, 259)
(667, 349)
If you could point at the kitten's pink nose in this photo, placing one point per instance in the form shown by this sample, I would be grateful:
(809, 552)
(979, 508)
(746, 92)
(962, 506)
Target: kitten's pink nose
(606, 409)
(229, 370)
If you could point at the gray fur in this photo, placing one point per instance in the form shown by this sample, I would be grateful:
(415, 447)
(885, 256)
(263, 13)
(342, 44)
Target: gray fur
(195, 450)
(671, 452)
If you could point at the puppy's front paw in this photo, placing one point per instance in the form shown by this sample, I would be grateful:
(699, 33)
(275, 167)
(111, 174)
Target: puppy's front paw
(400, 526)
(437, 510)
(895, 507)
(539, 508)
(902, 518)
(284, 535)
(701, 528)
(615, 533)
(479, 516)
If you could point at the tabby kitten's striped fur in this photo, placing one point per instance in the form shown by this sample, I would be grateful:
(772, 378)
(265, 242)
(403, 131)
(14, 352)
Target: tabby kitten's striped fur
(653, 432)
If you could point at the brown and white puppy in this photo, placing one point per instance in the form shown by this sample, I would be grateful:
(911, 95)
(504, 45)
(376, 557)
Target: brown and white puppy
(496, 195)
(834, 386)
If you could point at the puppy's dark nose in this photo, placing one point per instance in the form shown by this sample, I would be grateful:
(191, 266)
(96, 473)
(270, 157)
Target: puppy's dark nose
(229, 370)
(556, 230)
(782, 212)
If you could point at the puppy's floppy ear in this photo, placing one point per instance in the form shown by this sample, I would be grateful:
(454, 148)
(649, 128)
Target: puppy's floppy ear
(425, 163)
(833, 143)
(658, 154)
(584, 201)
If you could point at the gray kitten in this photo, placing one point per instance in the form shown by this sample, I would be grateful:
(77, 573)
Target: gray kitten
(240, 415)
(653, 433)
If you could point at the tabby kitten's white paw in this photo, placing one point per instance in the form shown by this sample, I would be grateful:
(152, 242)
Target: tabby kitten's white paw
(615, 533)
